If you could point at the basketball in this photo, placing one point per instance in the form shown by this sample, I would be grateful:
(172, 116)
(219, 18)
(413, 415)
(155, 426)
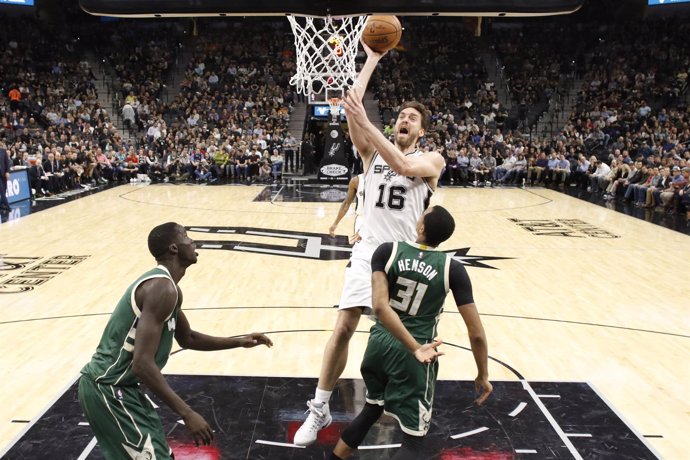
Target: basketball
(382, 33)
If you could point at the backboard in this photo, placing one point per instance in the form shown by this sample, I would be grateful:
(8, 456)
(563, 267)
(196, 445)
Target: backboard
(185, 8)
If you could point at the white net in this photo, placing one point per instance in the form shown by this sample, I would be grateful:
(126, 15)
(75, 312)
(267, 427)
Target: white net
(326, 51)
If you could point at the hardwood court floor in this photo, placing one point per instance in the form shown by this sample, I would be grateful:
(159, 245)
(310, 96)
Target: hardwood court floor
(584, 294)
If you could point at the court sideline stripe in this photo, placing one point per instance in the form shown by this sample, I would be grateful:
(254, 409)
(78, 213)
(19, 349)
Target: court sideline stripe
(87, 450)
(620, 416)
(280, 190)
(552, 421)
(256, 422)
(279, 444)
(50, 404)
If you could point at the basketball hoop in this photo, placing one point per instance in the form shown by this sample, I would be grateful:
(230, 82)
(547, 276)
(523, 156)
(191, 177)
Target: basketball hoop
(335, 103)
(326, 51)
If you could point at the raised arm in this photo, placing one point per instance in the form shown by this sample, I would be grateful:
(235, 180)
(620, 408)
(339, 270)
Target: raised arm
(357, 133)
(193, 340)
(428, 165)
(362, 81)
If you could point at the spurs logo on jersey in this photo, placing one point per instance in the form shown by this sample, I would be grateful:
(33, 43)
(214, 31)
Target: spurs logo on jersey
(387, 172)
(392, 203)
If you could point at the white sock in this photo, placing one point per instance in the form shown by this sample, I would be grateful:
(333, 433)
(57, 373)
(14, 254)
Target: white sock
(322, 396)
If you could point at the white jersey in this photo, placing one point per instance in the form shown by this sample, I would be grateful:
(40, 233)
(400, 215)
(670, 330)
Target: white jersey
(392, 205)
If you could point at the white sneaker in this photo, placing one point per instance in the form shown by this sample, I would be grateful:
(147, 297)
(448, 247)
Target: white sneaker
(318, 419)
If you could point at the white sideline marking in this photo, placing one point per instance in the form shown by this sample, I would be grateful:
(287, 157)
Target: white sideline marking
(518, 409)
(279, 444)
(380, 446)
(552, 421)
(85, 453)
(468, 433)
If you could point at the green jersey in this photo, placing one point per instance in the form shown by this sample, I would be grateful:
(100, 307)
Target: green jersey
(112, 362)
(417, 286)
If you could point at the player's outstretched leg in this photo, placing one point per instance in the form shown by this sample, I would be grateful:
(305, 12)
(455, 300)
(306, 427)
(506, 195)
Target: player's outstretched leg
(332, 366)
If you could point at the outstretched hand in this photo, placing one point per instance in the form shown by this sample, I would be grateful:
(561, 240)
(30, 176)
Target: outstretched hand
(254, 339)
(427, 353)
(354, 109)
(370, 52)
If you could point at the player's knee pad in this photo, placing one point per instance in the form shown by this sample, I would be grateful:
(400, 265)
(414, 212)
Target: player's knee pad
(355, 432)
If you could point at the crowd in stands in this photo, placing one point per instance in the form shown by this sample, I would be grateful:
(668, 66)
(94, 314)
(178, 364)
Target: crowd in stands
(629, 126)
(451, 82)
(230, 116)
(138, 56)
(627, 136)
(50, 118)
(537, 75)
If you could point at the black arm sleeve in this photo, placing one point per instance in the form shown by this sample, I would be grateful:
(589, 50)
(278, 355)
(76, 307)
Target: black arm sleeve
(460, 283)
(380, 257)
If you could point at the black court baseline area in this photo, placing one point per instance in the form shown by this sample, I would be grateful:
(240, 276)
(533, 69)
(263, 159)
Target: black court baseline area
(256, 418)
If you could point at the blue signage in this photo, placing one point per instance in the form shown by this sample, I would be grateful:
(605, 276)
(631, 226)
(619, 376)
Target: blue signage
(19, 210)
(19, 2)
(324, 111)
(665, 2)
(18, 187)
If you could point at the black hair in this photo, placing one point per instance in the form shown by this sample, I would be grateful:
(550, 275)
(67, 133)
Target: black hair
(421, 108)
(439, 225)
(161, 237)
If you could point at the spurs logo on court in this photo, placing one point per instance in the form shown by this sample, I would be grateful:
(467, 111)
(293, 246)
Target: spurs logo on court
(33, 271)
(301, 245)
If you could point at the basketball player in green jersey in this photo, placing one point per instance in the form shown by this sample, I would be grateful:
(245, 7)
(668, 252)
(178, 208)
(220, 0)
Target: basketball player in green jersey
(134, 348)
(409, 286)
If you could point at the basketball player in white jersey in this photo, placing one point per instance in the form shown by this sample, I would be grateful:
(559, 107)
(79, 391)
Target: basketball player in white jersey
(355, 190)
(398, 183)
